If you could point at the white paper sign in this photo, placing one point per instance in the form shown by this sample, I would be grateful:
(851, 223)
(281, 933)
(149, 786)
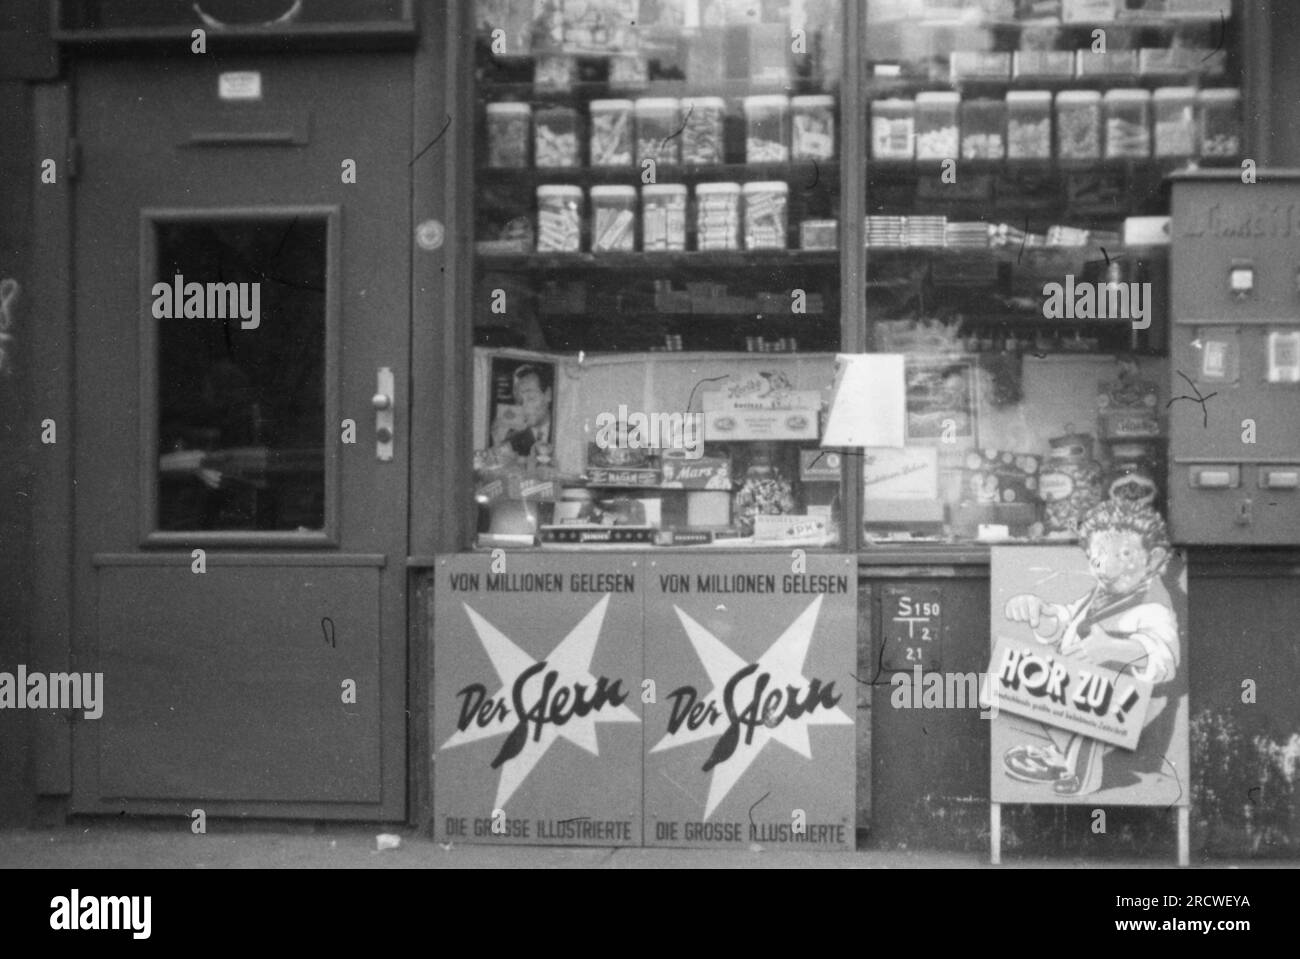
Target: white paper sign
(869, 401)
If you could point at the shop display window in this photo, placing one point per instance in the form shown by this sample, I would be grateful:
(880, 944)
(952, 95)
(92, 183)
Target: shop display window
(680, 208)
(1016, 247)
(657, 273)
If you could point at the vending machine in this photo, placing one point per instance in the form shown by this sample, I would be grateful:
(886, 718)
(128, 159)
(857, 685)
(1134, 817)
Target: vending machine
(1234, 402)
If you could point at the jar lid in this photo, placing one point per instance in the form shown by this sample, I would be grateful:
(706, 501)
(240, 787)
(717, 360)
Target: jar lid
(607, 192)
(938, 98)
(812, 101)
(1220, 93)
(705, 103)
(717, 188)
(767, 186)
(509, 106)
(610, 106)
(1030, 96)
(893, 103)
(560, 190)
(664, 189)
(983, 103)
(1078, 96)
(1128, 94)
(657, 105)
(556, 111)
(1175, 93)
(767, 101)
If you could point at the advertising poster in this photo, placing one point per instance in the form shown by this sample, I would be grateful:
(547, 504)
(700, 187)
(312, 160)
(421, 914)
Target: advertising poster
(1089, 666)
(537, 700)
(750, 738)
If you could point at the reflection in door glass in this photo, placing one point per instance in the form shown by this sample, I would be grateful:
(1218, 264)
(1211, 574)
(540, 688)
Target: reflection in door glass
(241, 358)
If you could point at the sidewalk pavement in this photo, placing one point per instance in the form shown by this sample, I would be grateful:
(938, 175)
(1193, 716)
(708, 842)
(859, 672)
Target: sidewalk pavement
(99, 845)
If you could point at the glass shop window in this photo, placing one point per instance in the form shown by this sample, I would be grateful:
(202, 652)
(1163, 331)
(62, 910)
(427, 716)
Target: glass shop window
(657, 272)
(1016, 238)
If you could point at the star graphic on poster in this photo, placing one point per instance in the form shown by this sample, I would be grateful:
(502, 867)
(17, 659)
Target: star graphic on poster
(784, 662)
(571, 661)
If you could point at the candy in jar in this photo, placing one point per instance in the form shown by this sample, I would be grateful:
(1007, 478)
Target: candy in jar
(509, 125)
(559, 218)
(1070, 483)
(611, 132)
(613, 212)
(766, 206)
(766, 137)
(702, 128)
(663, 217)
(556, 138)
(812, 127)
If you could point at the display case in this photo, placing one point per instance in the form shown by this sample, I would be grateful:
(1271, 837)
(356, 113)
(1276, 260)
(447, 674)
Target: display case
(657, 273)
(1016, 251)
(726, 203)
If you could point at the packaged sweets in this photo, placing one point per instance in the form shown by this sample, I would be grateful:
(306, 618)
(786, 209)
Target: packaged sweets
(613, 215)
(812, 128)
(663, 217)
(936, 125)
(1220, 111)
(555, 140)
(559, 218)
(1175, 121)
(1029, 125)
(766, 205)
(717, 216)
(1078, 125)
(983, 129)
(1128, 123)
(703, 121)
(819, 235)
(554, 72)
(893, 129)
(611, 133)
(767, 139)
(508, 127)
(657, 126)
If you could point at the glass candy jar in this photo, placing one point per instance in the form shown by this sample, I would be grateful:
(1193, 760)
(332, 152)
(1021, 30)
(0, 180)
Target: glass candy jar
(1070, 483)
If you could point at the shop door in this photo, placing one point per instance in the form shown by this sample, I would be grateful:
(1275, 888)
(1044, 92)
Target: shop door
(258, 418)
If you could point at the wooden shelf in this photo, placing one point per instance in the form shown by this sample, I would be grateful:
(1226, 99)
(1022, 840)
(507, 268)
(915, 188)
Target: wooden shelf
(800, 174)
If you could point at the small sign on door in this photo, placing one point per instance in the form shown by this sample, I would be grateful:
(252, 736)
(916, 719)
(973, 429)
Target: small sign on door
(910, 624)
(241, 85)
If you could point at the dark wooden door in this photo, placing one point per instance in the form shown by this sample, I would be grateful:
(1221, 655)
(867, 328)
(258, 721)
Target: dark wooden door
(266, 675)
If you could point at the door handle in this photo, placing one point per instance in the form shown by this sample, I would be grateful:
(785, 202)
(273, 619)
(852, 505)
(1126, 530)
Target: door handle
(382, 401)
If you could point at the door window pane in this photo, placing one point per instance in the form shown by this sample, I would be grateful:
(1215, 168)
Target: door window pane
(240, 307)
